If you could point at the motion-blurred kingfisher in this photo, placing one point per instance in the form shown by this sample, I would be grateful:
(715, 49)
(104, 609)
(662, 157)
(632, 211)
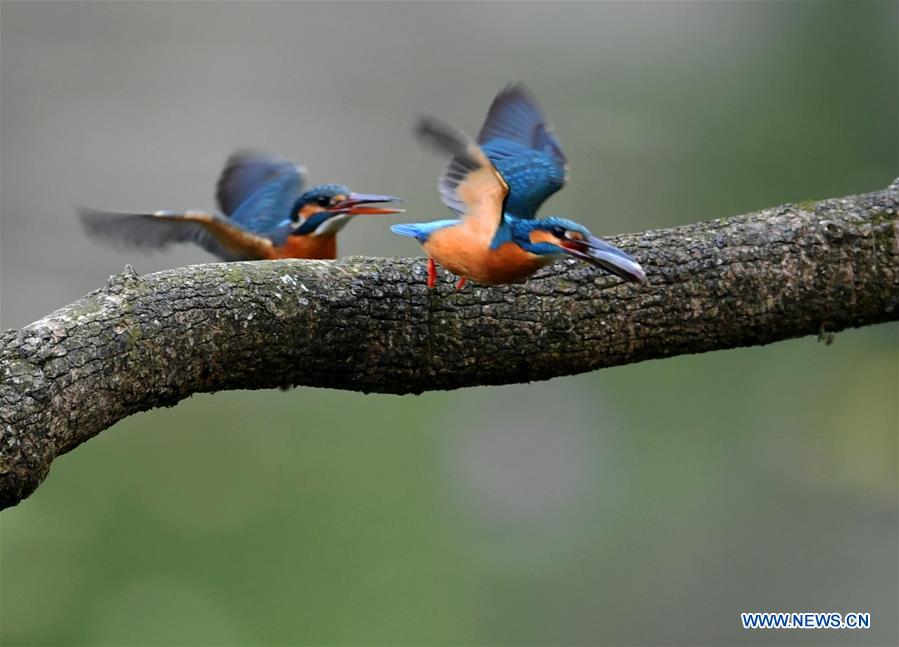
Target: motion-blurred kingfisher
(495, 187)
(263, 215)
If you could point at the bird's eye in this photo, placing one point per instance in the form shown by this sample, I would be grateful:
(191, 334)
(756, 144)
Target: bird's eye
(559, 232)
(323, 201)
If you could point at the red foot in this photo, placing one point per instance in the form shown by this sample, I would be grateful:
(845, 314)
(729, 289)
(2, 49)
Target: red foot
(432, 273)
(461, 283)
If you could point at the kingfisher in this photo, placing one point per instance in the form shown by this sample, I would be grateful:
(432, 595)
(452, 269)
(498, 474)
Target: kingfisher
(263, 214)
(495, 186)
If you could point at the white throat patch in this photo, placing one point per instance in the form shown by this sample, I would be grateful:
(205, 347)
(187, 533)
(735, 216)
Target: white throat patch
(332, 225)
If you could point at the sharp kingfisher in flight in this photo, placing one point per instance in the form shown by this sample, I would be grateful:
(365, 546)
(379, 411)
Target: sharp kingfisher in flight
(495, 186)
(264, 214)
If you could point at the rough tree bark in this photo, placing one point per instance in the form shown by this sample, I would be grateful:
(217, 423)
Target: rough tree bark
(370, 324)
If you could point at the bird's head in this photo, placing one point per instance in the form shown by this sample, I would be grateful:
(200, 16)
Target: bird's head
(558, 238)
(323, 210)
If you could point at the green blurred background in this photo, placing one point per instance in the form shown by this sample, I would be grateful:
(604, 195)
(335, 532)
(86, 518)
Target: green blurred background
(646, 504)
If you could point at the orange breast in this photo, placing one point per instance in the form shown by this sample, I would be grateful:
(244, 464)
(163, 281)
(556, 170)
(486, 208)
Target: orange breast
(465, 251)
(322, 247)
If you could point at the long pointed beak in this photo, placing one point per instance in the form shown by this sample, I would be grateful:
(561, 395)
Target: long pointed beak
(356, 204)
(600, 253)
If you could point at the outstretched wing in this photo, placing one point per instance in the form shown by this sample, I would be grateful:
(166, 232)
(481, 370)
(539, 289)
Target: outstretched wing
(470, 185)
(158, 230)
(246, 172)
(518, 139)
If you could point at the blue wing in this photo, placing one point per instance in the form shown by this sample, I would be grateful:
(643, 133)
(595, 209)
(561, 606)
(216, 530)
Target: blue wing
(517, 138)
(246, 173)
(267, 211)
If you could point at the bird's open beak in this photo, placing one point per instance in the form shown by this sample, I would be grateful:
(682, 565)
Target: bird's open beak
(608, 257)
(357, 204)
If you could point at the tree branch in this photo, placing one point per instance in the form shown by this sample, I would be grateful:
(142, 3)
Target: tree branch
(370, 324)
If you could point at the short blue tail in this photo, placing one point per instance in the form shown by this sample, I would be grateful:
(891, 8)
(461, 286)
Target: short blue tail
(421, 231)
(410, 230)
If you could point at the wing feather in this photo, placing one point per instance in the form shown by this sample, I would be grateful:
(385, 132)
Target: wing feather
(247, 171)
(519, 140)
(158, 230)
(470, 185)
(516, 116)
(267, 210)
